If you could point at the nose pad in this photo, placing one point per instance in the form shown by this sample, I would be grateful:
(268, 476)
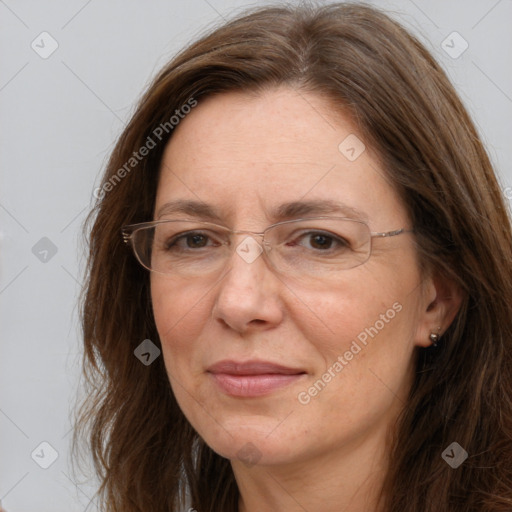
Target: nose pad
(249, 249)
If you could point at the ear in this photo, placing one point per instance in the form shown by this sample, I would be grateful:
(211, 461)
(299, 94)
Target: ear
(441, 302)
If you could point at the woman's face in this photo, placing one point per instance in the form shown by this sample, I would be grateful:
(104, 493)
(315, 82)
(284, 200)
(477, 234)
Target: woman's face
(271, 367)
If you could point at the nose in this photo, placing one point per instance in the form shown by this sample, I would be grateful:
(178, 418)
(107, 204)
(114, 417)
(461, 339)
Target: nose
(248, 296)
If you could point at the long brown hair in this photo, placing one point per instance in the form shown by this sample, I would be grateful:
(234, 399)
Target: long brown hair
(146, 454)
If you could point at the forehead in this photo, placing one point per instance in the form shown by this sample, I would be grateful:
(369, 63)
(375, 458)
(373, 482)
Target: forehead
(248, 154)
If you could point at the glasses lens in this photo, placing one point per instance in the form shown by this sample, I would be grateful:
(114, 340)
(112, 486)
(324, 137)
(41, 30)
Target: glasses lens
(319, 246)
(181, 247)
(304, 248)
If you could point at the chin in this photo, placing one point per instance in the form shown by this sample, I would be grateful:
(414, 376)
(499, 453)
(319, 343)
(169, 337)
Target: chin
(252, 450)
(251, 440)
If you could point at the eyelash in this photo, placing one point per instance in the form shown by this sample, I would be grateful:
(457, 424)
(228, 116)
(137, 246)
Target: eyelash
(173, 243)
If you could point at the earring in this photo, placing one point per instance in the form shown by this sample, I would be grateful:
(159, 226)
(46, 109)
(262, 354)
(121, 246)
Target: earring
(434, 338)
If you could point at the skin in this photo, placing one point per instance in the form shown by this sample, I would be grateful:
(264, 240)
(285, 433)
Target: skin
(244, 155)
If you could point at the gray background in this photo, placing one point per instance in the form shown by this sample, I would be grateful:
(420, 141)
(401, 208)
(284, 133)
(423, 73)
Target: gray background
(60, 118)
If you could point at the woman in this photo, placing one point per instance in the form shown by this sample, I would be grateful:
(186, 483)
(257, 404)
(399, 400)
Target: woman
(310, 305)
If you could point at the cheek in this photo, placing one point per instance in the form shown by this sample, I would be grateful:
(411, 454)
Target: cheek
(366, 304)
(180, 312)
(366, 353)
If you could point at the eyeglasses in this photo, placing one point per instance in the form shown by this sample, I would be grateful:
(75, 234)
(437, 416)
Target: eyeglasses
(315, 247)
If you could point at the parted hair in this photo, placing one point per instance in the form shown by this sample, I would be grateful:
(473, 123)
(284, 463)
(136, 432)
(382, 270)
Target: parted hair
(146, 454)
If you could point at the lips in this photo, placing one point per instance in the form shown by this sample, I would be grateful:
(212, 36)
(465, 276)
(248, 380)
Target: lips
(252, 378)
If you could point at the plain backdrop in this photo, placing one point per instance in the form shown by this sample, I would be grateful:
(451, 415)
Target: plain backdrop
(61, 113)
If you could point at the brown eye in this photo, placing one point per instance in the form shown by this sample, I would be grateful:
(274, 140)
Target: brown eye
(191, 240)
(196, 240)
(319, 241)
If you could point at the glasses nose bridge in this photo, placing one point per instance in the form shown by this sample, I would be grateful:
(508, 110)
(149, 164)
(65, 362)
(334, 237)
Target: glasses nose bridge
(247, 232)
(263, 244)
(260, 234)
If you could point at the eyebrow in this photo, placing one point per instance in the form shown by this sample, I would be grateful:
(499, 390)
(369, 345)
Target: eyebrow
(285, 211)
